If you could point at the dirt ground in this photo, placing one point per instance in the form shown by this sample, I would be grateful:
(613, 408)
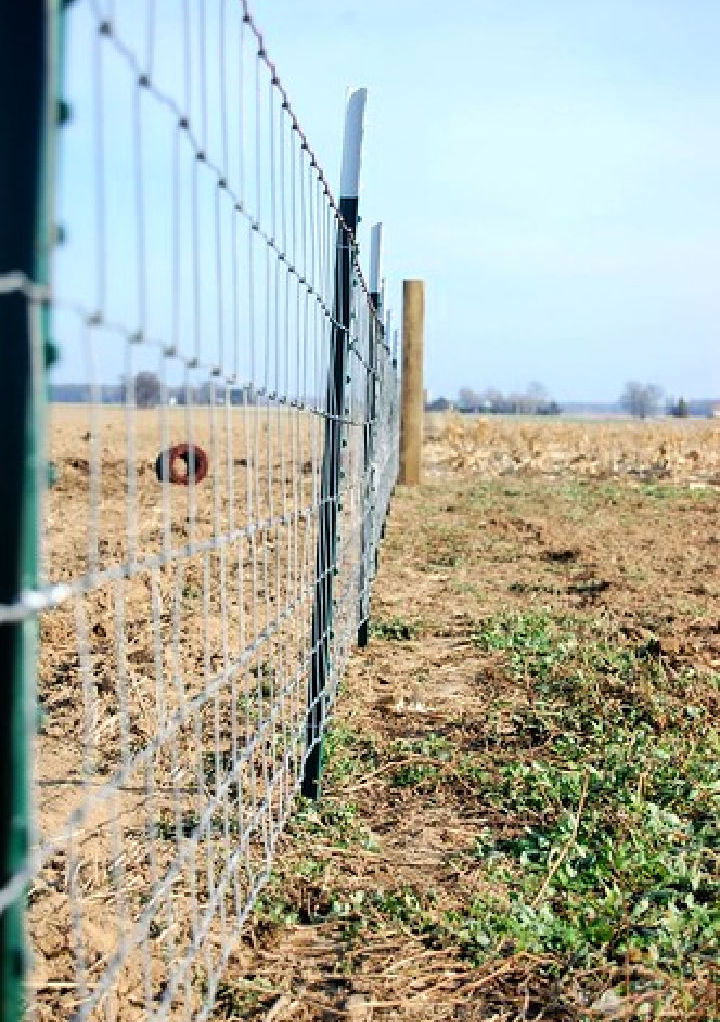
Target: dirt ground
(544, 671)
(146, 731)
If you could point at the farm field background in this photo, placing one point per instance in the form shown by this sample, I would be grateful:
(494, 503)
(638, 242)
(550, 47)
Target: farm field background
(686, 451)
(520, 817)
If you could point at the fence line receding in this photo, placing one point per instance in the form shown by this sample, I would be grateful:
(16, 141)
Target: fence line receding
(215, 466)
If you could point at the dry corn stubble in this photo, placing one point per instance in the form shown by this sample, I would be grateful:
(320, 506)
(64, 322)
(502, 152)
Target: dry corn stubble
(674, 451)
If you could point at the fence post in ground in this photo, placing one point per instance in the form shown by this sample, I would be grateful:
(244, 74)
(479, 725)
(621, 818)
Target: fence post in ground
(411, 409)
(322, 614)
(369, 540)
(27, 73)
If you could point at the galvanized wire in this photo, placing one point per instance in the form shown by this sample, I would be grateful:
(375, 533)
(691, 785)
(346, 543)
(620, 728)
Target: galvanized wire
(176, 639)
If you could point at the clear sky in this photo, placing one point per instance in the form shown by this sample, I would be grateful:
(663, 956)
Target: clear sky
(550, 168)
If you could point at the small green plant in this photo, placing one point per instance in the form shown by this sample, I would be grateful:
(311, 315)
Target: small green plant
(330, 818)
(347, 754)
(394, 629)
(234, 1000)
(264, 672)
(169, 827)
(413, 775)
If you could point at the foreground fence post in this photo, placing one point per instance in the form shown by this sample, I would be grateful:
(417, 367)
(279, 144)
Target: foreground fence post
(28, 40)
(369, 540)
(411, 410)
(322, 615)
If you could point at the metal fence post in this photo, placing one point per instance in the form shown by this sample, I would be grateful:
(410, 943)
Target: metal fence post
(369, 540)
(322, 614)
(28, 69)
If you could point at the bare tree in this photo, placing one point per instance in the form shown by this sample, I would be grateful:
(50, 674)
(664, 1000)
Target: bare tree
(468, 400)
(680, 410)
(536, 397)
(148, 389)
(641, 399)
(491, 399)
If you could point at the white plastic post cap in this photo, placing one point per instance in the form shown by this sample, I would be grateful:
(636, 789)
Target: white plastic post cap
(352, 145)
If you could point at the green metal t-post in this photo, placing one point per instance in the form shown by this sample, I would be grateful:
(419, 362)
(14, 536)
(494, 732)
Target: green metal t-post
(326, 557)
(28, 110)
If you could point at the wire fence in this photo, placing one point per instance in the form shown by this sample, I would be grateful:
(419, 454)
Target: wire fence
(199, 566)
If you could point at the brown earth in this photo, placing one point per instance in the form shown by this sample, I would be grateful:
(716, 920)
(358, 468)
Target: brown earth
(163, 601)
(616, 525)
(637, 559)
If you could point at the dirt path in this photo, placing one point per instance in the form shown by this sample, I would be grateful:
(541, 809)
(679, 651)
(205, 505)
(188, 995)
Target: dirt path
(520, 818)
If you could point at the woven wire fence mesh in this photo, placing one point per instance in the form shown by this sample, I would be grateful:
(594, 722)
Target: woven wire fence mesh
(184, 552)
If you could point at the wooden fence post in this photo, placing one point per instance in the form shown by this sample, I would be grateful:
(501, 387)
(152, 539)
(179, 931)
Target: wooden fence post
(411, 409)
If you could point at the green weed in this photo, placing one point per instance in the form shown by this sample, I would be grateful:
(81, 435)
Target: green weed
(616, 851)
(394, 629)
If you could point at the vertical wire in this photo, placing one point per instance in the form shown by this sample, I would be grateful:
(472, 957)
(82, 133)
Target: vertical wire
(187, 60)
(88, 766)
(118, 865)
(161, 714)
(267, 425)
(99, 173)
(219, 365)
(288, 465)
(236, 641)
(254, 459)
(203, 37)
(275, 420)
(213, 752)
(95, 458)
(149, 38)
(230, 568)
(247, 548)
(315, 533)
(298, 502)
(141, 254)
(241, 90)
(243, 422)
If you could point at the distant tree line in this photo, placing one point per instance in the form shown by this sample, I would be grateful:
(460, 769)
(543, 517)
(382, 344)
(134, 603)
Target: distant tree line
(533, 401)
(641, 400)
(148, 391)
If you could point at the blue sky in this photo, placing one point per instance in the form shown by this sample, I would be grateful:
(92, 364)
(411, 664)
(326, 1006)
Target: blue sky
(550, 168)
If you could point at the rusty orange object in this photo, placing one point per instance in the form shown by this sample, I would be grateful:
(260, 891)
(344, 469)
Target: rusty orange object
(182, 463)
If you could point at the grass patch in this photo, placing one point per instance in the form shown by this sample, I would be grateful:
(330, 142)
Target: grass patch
(606, 848)
(617, 845)
(541, 838)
